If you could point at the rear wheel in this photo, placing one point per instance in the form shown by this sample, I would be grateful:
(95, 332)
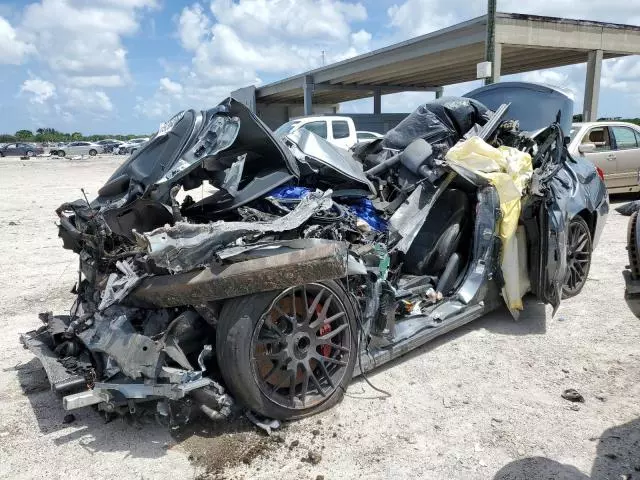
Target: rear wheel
(578, 257)
(93, 153)
(61, 153)
(288, 354)
(29, 153)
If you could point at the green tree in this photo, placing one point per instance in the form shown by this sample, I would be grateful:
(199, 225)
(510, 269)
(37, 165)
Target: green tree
(24, 134)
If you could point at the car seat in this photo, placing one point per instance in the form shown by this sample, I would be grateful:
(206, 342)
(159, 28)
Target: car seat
(440, 236)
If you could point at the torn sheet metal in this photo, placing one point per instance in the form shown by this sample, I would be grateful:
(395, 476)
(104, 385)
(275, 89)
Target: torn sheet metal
(326, 159)
(136, 355)
(119, 286)
(186, 246)
(321, 260)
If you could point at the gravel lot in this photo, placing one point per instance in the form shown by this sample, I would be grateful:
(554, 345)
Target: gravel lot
(480, 403)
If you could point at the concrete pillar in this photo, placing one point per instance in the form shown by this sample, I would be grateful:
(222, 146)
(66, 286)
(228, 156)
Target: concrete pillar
(592, 86)
(377, 101)
(307, 90)
(497, 63)
(439, 92)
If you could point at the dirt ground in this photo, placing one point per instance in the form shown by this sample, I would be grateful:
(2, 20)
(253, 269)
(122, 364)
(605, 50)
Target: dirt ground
(482, 402)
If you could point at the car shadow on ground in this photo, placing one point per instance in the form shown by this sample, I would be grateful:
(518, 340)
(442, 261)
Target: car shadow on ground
(532, 321)
(617, 457)
(142, 438)
(212, 445)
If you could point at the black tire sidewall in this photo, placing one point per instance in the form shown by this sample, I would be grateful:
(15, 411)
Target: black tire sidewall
(61, 153)
(238, 319)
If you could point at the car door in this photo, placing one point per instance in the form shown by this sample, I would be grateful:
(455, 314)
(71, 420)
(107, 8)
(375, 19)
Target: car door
(340, 134)
(627, 151)
(604, 156)
(318, 127)
(11, 150)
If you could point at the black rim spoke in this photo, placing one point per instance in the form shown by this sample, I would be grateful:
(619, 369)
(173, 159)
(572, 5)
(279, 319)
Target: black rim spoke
(335, 361)
(333, 332)
(317, 384)
(326, 374)
(305, 384)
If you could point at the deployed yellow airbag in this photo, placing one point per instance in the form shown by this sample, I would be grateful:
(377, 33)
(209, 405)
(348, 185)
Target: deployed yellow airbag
(510, 171)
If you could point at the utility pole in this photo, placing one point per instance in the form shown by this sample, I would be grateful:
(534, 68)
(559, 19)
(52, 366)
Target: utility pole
(489, 44)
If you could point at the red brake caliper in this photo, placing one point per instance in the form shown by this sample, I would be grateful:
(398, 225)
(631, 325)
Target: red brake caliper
(325, 350)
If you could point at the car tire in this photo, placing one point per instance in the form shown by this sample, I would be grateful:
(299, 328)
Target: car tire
(93, 153)
(29, 153)
(60, 153)
(579, 250)
(244, 319)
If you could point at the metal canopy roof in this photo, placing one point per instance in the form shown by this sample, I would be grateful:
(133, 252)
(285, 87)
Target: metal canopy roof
(450, 56)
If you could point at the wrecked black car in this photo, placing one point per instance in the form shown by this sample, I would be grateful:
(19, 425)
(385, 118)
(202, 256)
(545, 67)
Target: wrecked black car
(303, 265)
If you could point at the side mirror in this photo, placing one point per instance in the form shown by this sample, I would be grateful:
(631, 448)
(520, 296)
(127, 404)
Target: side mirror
(416, 153)
(587, 148)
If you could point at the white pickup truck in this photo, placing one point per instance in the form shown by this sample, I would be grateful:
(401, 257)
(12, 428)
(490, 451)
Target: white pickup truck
(338, 130)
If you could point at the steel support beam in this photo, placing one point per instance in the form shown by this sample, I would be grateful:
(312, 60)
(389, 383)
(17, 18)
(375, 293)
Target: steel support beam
(592, 86)
(384, 89)
(307, 88)
(377, 101)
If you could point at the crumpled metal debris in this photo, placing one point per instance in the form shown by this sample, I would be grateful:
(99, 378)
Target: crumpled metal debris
(186, 246)
(266, 424)
(119, 286)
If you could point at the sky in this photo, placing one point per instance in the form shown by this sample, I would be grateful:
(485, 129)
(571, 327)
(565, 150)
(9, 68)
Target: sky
(124, 66)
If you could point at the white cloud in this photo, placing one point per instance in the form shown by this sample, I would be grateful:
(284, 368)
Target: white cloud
(94, 101)
(13, 50)
(622, 74)
(193, 26)
(80, 41)
(235, 43)
(555, 78)
(417, 17)
(38, 90)
(172, 88)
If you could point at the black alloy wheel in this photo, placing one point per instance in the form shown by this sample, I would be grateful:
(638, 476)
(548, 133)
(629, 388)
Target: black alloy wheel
(291, 353)
(578, 257)
(301, 347)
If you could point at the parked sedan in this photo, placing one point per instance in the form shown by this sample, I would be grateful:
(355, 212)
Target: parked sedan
(109, 145)
(77, 148)
(20, 150)
(132, 145)
(364, 136)
(614, 148)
